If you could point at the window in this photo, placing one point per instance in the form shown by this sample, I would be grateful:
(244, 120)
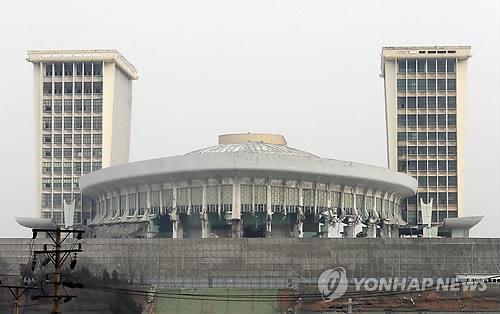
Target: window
(57, 123)
(421, 102)
(433, 181)
(78, 105)
(57, 139)
(441, 120)
(67, 153)
(77, 138)
(452, 198)
(47, 88)
(67, 167)
(97, 138)
(68, 123)
(47, 106)
(48, 69)
(431, 135)
(97, 87)
(58, 69)
(412, 136)
(412, 120)
(87, 139)
(442, 136)
(77, 152)
(412, 85)
(401, 66)
(57, 106)
(401, 85)
(47, 123)
(87, 153)
(57, 152)
(431, 84)
(57, 167)
(97, 106)
(442, 198)
(47, 152)
(422, 150)
(46, 200)
(432, 165)
(422, 165)
(46, 167)
(401, 165)
(452, 120)
(452, 84)
(78, 123)
(412, 102)
(421, 65)
(452, 181)
(452, 150)
(422, 136)
(431, 102)
(47, 138)
(68, 88)
(422, 181)
(431, 65)
(97, 69)
(412, 66)
(401, 136)
(142, 203)
(58, 88)
(401, 150)
(401, 120)
(431, 150)
(97, 152)
(87, 106)
(98, 123)
(442, 102)
(87, 68)
(78, 88)
(87, 123)
(46, 183)
(401, 102)
(68, 106)
(412, 150)
(442, 181)
(450, 66)
(132, 203)
(412, 165)
(442, 165)
(452, 102)
(422, 120)
(77, 167)
(87, 88)
(441, 84)
(57, 183)
(441, 65)
(67, 183)
(452, 136)
(442, 150)
(452, 165)
(96, 165)
(421, 85)
(86, 167)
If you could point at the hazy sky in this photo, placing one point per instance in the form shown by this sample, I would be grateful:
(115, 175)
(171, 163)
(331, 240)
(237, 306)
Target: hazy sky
(306, 69)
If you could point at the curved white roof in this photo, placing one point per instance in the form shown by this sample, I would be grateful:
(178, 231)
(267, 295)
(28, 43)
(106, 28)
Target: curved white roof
(253, 148)
(248, 159)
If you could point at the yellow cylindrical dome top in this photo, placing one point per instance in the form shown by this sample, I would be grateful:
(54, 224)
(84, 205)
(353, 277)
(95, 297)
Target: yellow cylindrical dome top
(252, 137)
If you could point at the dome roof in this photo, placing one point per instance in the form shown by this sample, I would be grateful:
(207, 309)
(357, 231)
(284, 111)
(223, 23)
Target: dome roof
(253, 148)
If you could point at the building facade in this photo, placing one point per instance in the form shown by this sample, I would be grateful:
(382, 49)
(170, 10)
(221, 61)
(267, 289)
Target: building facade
(249, 185)
(425, 97)
(83, 102)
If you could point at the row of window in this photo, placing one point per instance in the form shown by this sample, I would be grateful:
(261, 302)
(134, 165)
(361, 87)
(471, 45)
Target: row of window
(427, 150)
(426, 65)
(77, 152)
(68, 88)
(437, 181)
(57, 183)
(440, 198)
(58, 217)
(78, 123)
(87, 106)
(427, 165)
(54, 200)
(68, 167)
(422, 85)
(424, 120)
(427, 136)
(411, 216)
(253, 197)
(429, 102)
(72, 139)
(68, 68)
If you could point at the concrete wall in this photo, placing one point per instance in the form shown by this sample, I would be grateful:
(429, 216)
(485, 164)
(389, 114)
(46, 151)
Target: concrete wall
(270, 262)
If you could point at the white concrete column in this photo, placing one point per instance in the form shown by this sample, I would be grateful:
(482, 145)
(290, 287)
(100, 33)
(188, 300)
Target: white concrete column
(205, 227)
(269, 209)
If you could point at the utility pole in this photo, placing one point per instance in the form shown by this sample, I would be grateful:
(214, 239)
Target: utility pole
(17, 292)
(58, 256)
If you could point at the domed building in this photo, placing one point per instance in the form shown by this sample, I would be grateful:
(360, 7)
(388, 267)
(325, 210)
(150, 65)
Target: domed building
(249, 185)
